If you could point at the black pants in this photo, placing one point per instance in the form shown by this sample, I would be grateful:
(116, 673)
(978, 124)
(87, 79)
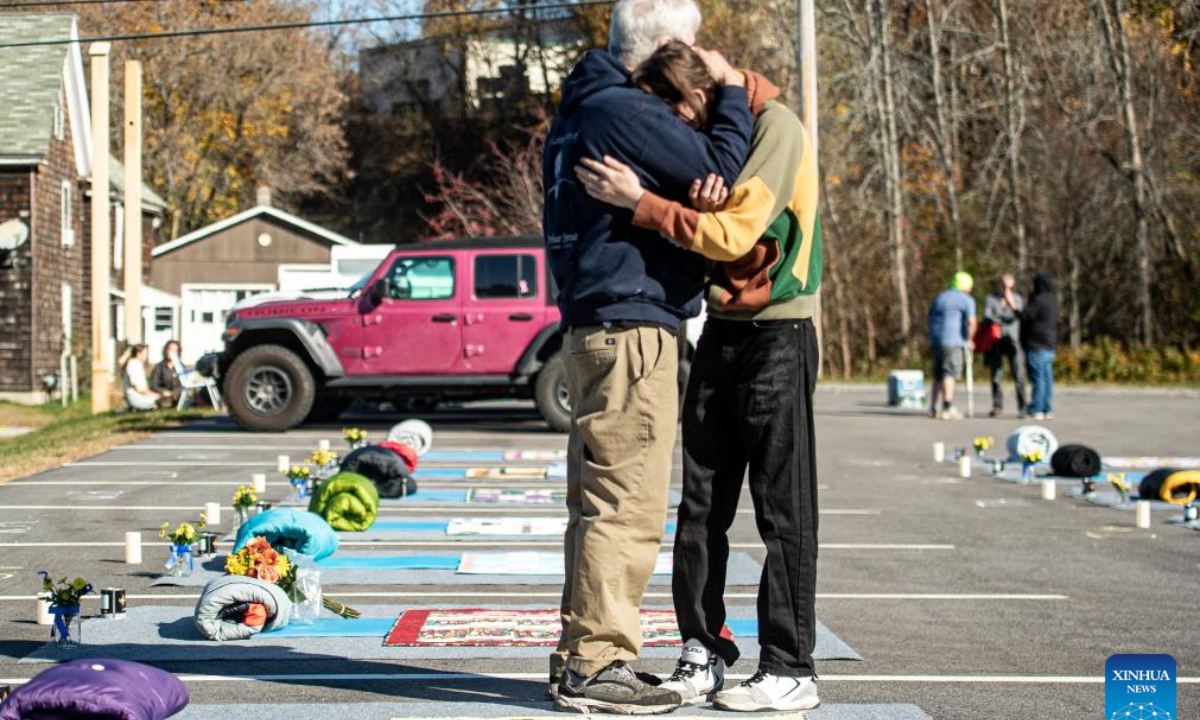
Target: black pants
(1006, 349)
(749, 403)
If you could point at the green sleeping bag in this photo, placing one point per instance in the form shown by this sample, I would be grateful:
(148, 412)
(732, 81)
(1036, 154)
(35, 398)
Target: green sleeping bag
(347, 501)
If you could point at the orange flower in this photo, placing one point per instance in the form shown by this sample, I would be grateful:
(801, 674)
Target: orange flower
(268, 573)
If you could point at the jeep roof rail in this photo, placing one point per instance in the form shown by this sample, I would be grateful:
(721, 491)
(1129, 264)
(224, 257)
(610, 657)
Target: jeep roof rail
(488, 242)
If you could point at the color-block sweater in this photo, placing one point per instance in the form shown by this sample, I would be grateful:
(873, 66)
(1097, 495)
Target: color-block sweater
(766, 240)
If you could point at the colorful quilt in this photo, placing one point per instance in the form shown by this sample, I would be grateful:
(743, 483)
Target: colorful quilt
(508, 628)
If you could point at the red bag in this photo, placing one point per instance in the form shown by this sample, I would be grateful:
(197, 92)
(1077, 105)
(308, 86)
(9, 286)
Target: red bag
(407, 454)
(987, 334)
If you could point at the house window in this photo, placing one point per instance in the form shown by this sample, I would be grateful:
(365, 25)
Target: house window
(163, 319)
(68, 223)
(505, 277)
(60, 130)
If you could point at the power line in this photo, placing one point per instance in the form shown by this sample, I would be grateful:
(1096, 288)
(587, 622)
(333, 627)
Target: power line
(237, 29)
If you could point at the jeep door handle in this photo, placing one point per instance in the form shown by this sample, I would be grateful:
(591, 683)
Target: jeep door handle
(521, 317)
(449, 319)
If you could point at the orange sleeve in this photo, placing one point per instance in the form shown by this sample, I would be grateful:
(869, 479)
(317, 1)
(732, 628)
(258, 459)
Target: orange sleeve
(675, 220)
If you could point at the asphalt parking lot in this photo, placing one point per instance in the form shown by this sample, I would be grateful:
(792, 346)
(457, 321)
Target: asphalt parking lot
(966, 598)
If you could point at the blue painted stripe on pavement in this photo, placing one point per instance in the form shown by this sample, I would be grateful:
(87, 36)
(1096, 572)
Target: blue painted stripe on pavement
(463, 456)
(742, 627)
(335, 627)
(416, 562)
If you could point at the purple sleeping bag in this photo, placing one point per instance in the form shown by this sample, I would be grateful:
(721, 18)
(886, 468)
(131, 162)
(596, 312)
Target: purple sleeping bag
(97, 690)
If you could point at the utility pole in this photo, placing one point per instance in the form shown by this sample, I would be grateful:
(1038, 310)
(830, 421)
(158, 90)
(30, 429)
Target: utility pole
(100, 229)
(133, 202)
(806, 70)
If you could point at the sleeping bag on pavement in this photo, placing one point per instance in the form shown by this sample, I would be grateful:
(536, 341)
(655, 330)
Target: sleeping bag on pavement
(299, 530)
(234, 607)
(389, 470)
(1178, 487)
(1075, 461)
(97, 690)
(348, 502)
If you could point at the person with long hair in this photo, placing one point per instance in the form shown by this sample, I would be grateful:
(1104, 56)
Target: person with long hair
(138, 392)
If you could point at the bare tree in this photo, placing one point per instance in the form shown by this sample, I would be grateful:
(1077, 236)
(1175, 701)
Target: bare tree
(1116, 42)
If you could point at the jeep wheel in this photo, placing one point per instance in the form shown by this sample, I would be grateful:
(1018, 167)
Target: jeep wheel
(269, 388)
(550, 394)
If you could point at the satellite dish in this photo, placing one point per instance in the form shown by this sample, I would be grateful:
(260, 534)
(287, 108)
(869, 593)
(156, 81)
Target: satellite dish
(13, 234)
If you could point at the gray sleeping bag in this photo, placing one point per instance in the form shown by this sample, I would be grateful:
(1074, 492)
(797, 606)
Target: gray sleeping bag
(222, 605)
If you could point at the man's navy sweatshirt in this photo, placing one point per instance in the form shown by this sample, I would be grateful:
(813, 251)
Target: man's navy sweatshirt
(607, 270)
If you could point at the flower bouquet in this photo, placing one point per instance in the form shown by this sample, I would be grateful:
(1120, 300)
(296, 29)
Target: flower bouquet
(1118, 481)
(257, 559)
(64, 605)
(324, 462)
(299, 476)
(243, 499)
(1028, 460)
(356, 437)
(181, 563)
(983, 444)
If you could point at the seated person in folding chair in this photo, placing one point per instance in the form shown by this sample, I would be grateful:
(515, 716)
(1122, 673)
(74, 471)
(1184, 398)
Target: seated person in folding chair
(138, 392)
(171, 375)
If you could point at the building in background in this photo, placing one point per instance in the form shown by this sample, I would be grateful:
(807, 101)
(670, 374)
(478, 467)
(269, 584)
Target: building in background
(45, 201)
(469, 75)
(214, 268)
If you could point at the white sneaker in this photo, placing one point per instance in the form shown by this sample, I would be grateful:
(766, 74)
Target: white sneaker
(765, 691)
(698, 676)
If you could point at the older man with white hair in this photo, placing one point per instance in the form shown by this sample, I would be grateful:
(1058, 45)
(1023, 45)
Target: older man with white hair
(623, 292)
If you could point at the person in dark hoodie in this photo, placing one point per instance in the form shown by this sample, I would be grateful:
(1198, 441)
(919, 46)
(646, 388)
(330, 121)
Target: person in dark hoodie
(1039, 337)
(623, 292)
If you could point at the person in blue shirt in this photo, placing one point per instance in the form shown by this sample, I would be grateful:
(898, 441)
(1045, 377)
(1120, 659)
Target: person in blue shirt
(951, 327)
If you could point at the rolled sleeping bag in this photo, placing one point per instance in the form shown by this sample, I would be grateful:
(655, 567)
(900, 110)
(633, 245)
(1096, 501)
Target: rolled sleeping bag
(348, 501)
(389, 470)
(417, 434)
(406, 453)
(223, 606)
(1178, 487)
(306, 533)
(97, 689)
(1075, 461)
(1028, 438)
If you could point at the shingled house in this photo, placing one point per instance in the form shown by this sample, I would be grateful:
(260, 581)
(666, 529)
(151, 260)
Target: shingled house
(45, 152)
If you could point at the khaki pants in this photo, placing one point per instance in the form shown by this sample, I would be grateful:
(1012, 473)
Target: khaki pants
(623, 383)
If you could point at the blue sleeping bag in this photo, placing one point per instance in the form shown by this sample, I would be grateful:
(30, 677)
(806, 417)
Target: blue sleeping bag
(305, 532)
(98, 689)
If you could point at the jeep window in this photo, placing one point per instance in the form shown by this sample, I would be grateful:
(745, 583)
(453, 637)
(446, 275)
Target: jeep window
(421, 278)
(505, 277)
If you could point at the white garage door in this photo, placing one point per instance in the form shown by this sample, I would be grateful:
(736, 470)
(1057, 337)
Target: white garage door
(204, 311)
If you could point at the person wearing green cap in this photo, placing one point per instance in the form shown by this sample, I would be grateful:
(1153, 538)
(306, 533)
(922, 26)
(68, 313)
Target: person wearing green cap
(951, 327)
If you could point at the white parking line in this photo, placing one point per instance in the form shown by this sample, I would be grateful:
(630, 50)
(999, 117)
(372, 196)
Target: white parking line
(406, 509)
(444, 677)
(485, 542)
(551, 595)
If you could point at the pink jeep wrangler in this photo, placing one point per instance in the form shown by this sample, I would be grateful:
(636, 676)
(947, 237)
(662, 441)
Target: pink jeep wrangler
(460, 319)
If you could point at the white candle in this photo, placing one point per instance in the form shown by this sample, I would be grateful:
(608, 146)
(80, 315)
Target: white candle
(1142, 514)
(212, 513)
(1049, 489)
(324, 445)
(133, 548)
(44, 617)
(939, 452)
(258, 482)
(964, 466)
(283, 464)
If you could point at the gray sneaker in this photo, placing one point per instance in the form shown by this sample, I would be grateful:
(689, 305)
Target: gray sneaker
(698, 676)
(615, 690)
